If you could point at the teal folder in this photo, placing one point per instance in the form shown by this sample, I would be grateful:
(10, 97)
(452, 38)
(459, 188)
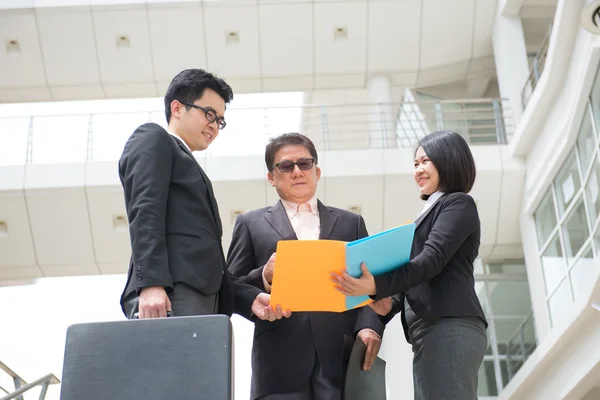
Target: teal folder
(381, 253)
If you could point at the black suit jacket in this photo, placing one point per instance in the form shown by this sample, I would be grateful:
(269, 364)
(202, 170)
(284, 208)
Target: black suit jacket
(174, 222)
(438, 281)
(283, 352)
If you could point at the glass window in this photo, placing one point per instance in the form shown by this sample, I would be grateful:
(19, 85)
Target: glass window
(60, 139)
(595, 99)
(515, 365)
(560, 303)
(487, 379)
(507, 299)
(508, 309)
(586, 142)
(511, 268)
(13, 140)
(592, 189)
(567, 183)
(582, 272)
(545, 219)
(575, 230)
(529, 337)
(478, 267)
(489, 350)
(553, 264)
(576, 190)
(507, 330)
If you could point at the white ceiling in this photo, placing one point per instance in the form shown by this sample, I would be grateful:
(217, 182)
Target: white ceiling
(60, 218)
(70, 52)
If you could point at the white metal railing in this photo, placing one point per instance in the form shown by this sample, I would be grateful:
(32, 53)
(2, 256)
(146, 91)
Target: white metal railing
(21, 386)
(520, 346)
(52, 138)
(535, 70)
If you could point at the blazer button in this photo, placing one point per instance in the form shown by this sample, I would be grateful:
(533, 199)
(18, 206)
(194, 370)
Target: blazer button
(139, 273)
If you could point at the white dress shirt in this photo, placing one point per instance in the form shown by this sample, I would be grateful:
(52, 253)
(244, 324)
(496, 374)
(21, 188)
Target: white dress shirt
(304, 218)
(432, 199)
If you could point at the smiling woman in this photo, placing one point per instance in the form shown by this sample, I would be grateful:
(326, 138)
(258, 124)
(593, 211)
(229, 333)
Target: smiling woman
(426, 174)
(442, 316)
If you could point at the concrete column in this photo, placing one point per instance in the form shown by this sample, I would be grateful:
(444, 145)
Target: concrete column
(382, 117)
(510, 55)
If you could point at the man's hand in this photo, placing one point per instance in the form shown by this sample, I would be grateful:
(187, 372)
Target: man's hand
(383, 306)
(153, 303)
(263, 310)
(269, 269)
(373, 343)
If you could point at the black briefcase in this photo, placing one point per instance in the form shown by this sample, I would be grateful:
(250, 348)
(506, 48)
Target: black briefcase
(168, 358)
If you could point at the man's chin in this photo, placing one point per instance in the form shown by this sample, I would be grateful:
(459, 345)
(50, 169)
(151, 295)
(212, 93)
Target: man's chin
(202, 146)
(305, 195)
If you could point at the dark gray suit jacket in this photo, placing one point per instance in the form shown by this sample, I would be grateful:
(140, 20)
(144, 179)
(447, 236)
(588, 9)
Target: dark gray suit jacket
(284, 351)
(174, 222)
(438, 281)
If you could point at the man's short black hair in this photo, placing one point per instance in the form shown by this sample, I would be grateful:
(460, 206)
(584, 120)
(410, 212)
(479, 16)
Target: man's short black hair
(189, 85)
(288, 139)
(453, 159)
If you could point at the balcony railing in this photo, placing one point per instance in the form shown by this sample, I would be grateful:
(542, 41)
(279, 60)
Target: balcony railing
(535, 70)
(59, 138)
(520, 346)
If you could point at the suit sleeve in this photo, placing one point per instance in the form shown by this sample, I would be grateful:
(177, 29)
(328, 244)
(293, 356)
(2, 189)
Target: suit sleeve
(455, 222)
(365, 316)
(241, 260)
(145, 172)
(243, 297)
(397, 306)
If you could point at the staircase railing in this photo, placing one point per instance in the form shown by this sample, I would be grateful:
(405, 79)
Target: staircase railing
(520, 346)
(21, 386)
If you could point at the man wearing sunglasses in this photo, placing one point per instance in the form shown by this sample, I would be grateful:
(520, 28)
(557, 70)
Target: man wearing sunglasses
(177, 263)
(300, 358)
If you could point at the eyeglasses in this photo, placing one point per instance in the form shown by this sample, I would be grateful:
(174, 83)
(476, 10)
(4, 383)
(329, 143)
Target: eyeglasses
(210, 114)
(287, 166)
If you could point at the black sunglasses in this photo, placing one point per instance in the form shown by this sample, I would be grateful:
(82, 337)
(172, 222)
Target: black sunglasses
(210, 114)
(288, 166)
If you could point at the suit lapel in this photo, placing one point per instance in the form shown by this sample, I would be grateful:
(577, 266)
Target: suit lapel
(422, 216)
(207, 182)
(277, 217)
(328, 219)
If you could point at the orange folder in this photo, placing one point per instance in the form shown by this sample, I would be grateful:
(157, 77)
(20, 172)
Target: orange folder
(301, 281)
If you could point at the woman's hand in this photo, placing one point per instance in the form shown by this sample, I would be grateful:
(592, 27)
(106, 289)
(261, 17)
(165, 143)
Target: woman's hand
(349, 286)
(383, 306)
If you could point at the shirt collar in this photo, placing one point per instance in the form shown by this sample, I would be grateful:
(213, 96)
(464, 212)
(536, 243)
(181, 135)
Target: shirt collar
(181, 140)
(433, 198)
(291, 208)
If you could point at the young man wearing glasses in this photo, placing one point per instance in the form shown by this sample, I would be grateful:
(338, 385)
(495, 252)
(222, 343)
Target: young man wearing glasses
(300, 358)
(177, 263)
